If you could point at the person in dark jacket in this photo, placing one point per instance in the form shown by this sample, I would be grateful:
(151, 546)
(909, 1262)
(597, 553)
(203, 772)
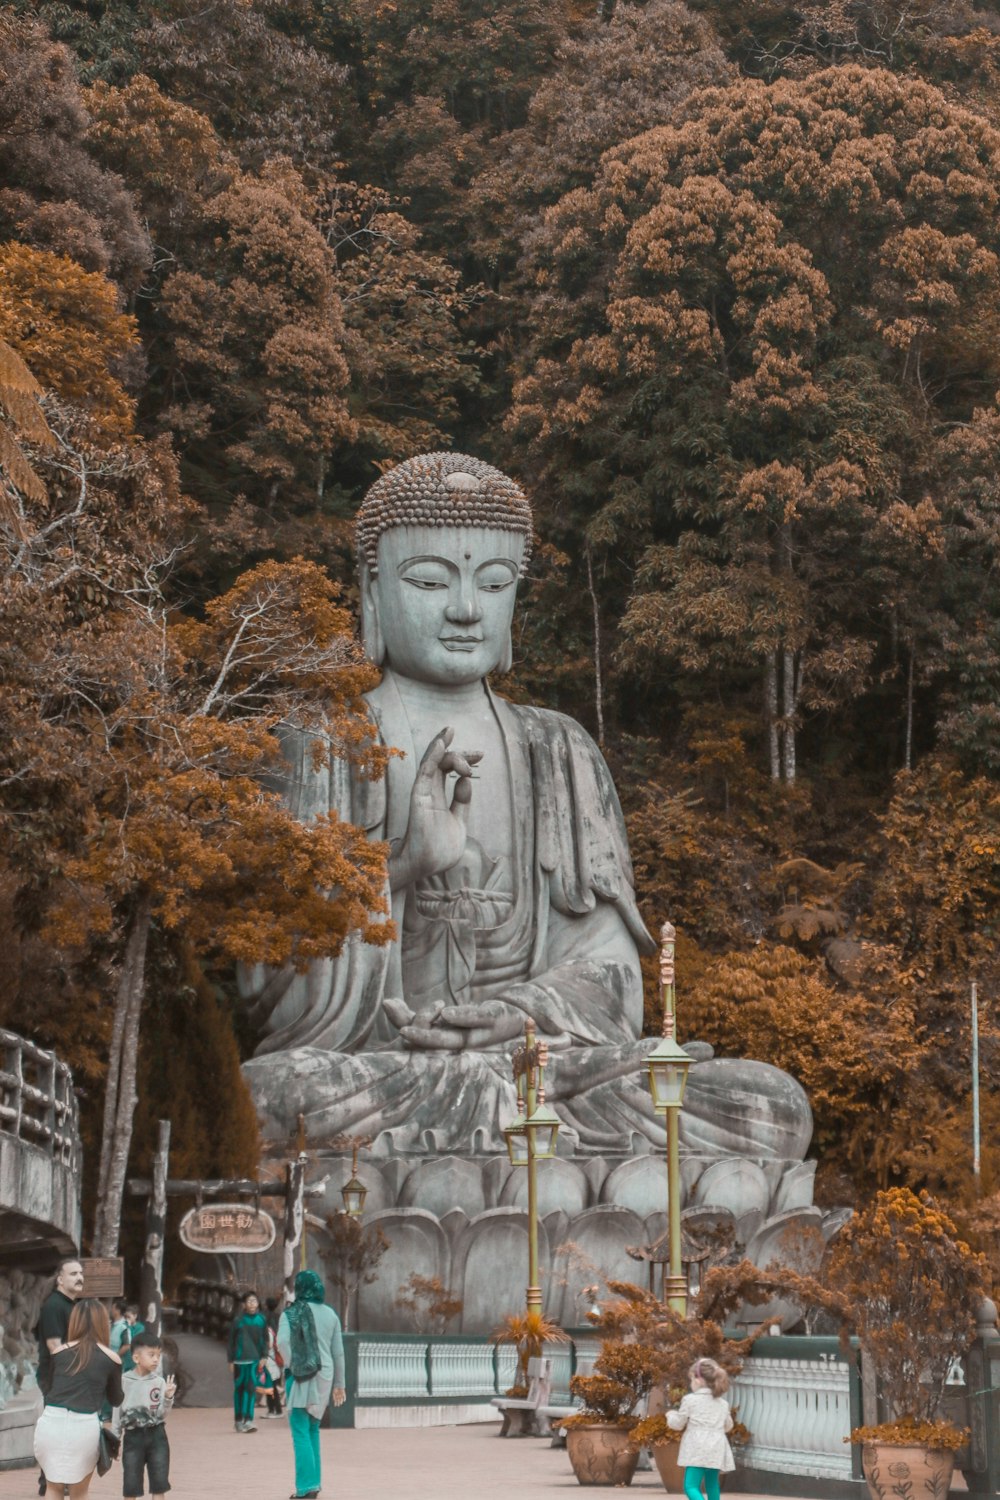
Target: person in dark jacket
(53, 1323)
(247, 1348)
(85, 1372)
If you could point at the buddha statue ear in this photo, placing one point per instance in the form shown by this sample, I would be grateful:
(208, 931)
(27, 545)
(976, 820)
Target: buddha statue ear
(371, 630)
(507, 658)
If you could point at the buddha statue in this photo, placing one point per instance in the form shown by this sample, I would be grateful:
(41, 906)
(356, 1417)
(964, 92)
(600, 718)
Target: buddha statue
(509, 882)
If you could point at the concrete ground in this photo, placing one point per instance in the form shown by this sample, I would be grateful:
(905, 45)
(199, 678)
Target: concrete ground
(209, 1459)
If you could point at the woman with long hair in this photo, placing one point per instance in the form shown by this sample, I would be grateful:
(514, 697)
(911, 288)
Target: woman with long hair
(86, 1372)
(704, 1418)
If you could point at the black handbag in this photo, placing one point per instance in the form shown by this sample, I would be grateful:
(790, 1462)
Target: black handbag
(108, 1448)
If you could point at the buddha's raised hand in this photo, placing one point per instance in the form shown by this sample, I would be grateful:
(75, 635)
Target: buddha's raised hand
(436, 830)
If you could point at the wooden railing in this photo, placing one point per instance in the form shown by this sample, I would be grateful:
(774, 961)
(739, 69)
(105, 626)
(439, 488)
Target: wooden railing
(208, 1307)
(37, 1101)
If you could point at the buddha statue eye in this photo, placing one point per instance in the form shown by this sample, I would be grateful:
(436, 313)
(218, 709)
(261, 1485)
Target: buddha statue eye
(426, 581)
(495, 579)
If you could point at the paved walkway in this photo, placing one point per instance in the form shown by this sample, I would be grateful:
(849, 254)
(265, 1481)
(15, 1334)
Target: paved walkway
(211, 1462)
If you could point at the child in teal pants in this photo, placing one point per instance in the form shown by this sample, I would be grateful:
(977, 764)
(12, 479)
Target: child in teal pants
(704, 1418)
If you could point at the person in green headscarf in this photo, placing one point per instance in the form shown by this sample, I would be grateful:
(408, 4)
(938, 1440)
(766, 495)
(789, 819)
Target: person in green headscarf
(312, 1346)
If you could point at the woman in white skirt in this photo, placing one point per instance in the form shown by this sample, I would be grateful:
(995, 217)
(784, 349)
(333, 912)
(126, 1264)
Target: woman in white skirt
(86, 1372)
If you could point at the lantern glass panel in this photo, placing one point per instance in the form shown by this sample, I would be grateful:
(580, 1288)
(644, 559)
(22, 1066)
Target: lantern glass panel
(354, 1194)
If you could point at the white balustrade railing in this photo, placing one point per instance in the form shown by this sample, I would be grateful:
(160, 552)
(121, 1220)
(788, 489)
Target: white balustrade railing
(390, 1368)
(461, 1369)
(799, 1414)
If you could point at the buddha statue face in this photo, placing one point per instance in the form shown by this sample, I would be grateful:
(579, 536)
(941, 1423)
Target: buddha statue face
(440, 607)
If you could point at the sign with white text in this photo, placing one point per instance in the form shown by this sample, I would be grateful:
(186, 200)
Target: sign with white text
(235, 1228)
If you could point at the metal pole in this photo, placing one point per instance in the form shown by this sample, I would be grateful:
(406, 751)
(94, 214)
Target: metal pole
(534, 1296)
(975, 1085)
(675, 1283)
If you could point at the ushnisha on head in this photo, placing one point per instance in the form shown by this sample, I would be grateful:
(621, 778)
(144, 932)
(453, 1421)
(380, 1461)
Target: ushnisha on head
(442, 541)
(442, 489)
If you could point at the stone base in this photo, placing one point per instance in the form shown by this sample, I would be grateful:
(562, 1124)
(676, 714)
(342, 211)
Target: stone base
(464, 1221)
(17, 1430)
(430, 1415)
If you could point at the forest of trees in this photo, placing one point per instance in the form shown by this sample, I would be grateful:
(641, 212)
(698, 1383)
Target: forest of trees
(719, 284)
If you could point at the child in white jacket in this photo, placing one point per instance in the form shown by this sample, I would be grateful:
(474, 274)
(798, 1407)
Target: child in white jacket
(704, 1418)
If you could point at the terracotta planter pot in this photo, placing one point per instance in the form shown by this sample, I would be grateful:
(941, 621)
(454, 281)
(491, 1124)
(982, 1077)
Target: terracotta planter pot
(669, 1470)
(919, 1473)
(600, 1454)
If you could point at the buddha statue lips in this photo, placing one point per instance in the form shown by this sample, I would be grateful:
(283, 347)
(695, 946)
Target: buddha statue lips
(509, 877)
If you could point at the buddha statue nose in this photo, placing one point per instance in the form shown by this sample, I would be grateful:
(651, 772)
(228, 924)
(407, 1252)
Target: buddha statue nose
(463, 608)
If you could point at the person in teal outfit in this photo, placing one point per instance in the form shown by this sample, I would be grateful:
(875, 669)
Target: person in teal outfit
(312, 1346)
(247, 1348)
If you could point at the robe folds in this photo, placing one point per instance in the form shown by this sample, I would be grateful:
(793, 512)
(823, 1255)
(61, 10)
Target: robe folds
(552, 929)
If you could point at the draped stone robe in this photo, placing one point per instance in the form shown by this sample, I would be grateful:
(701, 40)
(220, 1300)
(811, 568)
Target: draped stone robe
(554, 931)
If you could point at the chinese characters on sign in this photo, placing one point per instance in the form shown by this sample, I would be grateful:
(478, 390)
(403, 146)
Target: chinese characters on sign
(233, 1227)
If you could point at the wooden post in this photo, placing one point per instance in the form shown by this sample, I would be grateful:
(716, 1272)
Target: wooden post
(151, 1271)
(295, 1180)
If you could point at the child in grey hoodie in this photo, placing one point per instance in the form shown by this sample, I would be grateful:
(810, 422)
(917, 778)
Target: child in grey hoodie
(148, 1396)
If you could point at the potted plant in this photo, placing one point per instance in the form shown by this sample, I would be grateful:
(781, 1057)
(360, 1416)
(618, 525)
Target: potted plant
(665, 1346)
(911, 1287)
(597, 1438)
(529, 1332)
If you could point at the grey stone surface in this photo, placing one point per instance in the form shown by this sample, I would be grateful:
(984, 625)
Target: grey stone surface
(511, 888)
(795, 1189)
(639, 1185)
(490, 1266)
(561, 1185)
(739, 1185)
(417, 1243)
(443, 1183)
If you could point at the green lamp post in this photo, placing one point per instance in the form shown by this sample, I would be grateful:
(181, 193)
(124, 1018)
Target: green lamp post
(668, 1070)
(531, 1137)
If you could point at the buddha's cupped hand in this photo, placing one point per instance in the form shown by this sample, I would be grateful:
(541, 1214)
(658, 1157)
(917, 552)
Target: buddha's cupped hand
(456, 1028)
(436, 829)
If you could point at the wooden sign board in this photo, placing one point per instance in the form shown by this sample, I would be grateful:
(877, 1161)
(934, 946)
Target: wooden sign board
(103, 1276)
(234, 1228)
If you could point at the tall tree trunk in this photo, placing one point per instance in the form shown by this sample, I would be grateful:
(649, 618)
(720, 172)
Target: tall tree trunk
(790, 699)
(771, 709)
(908, 749)
(120, 1096)
(598, 676)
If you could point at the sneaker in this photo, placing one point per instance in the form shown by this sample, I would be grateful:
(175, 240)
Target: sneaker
(249, 1426)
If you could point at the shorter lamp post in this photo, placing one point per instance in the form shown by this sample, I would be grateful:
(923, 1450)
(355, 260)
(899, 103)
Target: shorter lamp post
(668, 1069)
(354, 1192)
(531, 1138)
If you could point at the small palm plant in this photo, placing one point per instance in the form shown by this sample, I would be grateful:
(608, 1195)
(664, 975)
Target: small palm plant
(529, 1332)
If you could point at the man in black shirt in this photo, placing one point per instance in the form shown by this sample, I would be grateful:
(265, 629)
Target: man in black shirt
(53, 1323)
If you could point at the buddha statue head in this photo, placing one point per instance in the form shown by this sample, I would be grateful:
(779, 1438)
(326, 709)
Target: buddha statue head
(442, 541)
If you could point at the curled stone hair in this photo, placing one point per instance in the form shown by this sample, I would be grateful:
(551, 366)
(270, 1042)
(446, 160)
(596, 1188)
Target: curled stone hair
(442, 489)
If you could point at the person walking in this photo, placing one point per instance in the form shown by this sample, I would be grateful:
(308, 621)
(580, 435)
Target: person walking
(312, 1347)
(247, 1348)
(273, 1366)
(704, 1418)
(53, 1324)
(85, 1373)
(121, 1329)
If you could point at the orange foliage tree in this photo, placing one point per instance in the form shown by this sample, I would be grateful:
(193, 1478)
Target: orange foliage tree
(736, 396)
